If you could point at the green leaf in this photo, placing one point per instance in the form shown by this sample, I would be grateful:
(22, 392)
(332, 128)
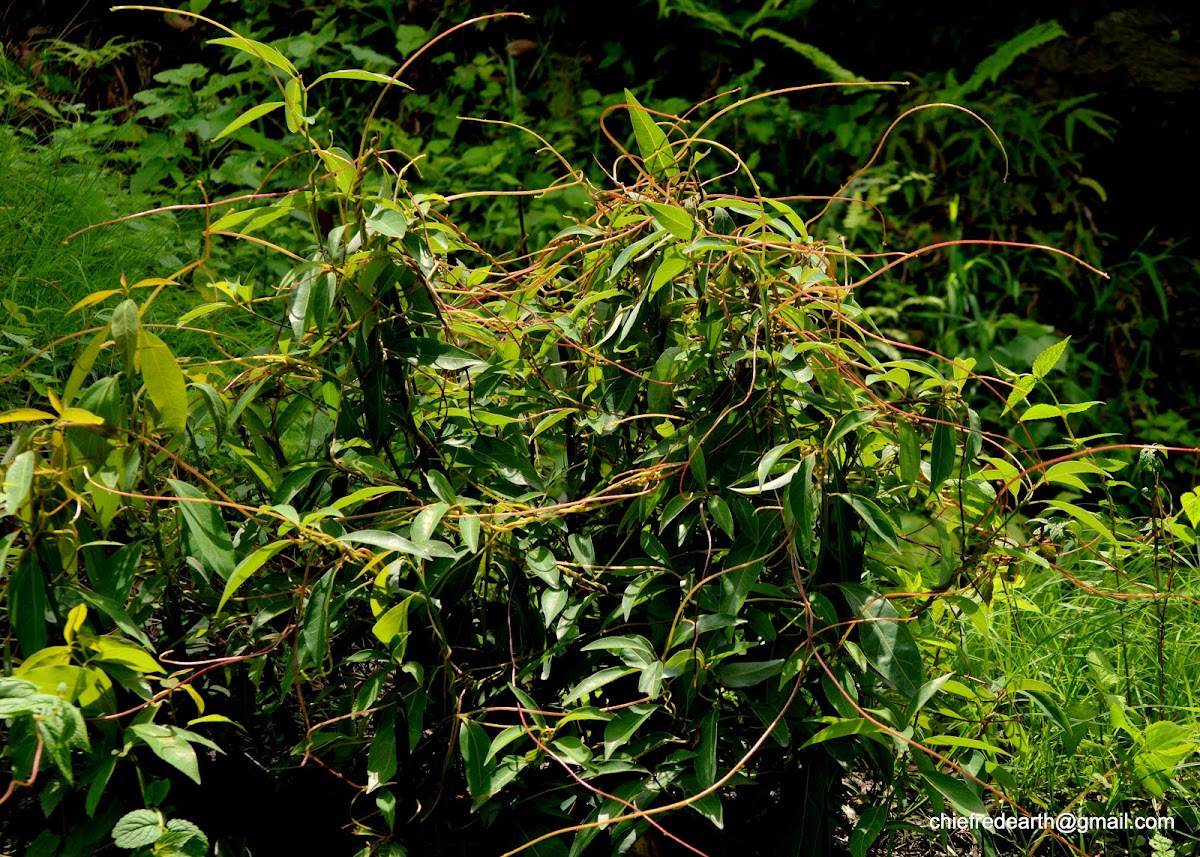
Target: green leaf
(1190, 501)
(256, 112)
(313, 648)
(399, 544)
(1041, 412)
(910, 455)
(821, 61)
(266, 53)
(719, 510)
(18, 480)
(596, 681)
(427, 520)
(125, 325)
(117, 650)
(1004, 56)
(874, 517)
(1066, 473)
(26, 603)
(83, 366)
(247, 567)
(967, 743)
(886, 640)
(870, 825)
(848, 423)
(138, 828)
(164, 381)
(706, 752)
(382, 759)
(673, 219)
(941, 459)
(1048, 359)
(359, 74)
(842, 729)
(542, 563)
(434, 354)
(651, 140)
(170, 746)
(650, 681)
(468, 527)
(207, 535)
(748, 673)
(621, 728)
(634, 649)
(183, 839)
(473, 745)
(954, 790)
(392, 623)
(388, 222)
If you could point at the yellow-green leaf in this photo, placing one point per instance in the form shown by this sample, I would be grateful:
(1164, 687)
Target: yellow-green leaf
(359, 74)
(21, 415)
(164, 381)
(266, 53)
(83, 366)
(256, 112)
(673, 219)
(1044, 362)
(651, 141)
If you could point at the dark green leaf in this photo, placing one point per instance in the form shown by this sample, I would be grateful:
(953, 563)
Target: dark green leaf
(941, 459)
(207, 536)
(886, 640)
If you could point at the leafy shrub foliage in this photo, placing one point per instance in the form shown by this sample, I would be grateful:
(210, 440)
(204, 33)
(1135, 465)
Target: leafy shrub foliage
(538, 553)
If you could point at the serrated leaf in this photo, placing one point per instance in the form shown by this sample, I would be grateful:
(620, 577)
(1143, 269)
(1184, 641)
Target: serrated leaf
(138, 828)
(1048, 359)
(1041, 412)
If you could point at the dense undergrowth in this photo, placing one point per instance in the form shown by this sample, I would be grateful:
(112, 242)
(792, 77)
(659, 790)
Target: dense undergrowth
(461, 524)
